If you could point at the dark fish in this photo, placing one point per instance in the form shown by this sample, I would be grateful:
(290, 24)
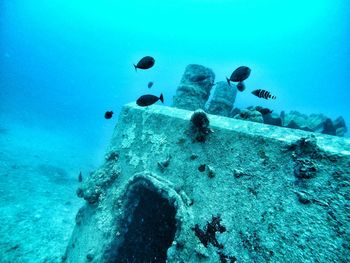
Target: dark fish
(262, 110)
(145, 63)
(108, 114)
(150, 84)
(260, 93)
(80, 177)
(239, 74)
(241, 86)
(147, 100)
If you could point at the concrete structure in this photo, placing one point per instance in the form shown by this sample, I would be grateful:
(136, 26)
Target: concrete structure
(223, 99)
(194, 88)
(282, 195)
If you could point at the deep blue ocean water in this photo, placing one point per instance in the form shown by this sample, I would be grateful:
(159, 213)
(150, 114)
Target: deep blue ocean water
(64, 63)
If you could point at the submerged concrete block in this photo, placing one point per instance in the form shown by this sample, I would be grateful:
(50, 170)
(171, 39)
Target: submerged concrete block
(223, 99)
(194, 88)
(275, 194)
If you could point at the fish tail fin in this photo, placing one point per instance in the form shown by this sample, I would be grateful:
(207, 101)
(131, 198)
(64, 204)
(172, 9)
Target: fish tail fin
(161, 98)
(228, 81)
(135, 67)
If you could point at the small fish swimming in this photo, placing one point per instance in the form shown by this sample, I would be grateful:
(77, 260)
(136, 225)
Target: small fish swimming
(108, 114)
(147, 100)
(239, 74)
(260, 93)
(240, 86)
(150, 84)
(80, 177)
(145, 63)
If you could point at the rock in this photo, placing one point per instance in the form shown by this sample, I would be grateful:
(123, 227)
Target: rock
(222, 100)
(268, 117)
(315, 123)
(340, 126)
(272, 119)
(194, 88)
(250, 115)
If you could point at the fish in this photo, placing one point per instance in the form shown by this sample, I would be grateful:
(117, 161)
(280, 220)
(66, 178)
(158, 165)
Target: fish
(108, 114)
(145, 63)
(260, 93)
(150, 84)
(80, 177)
(148, 99)
(263, 111)
(239, 74)
(240, 86)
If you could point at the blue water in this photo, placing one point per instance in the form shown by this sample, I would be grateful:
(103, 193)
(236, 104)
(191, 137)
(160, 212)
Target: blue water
(63, 63)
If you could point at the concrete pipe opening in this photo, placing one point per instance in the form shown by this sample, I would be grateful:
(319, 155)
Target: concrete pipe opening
(150, 228)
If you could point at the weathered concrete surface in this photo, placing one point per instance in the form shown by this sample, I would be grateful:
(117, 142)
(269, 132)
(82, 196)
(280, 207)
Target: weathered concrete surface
(282, 194)
(194, 88)
(223, 99)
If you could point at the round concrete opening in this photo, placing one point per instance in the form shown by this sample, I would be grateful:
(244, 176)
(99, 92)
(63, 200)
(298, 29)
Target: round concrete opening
(151, 228)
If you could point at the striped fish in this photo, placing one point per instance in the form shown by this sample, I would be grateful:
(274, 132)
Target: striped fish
(260, 93)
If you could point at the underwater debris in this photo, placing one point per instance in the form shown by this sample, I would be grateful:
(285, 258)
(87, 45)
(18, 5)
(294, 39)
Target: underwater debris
(260, 93)
(145, 63)
(305, 168)
(80, 177)
(193, 157)
(148, 100)
(201, 168)
(89, 256)
(303, 197)
(239, 74)
(208, 235)
(108, 114)
(150, 84)
(225, 259)
(239, 173)
(211, 172)
(314, 123)
(305, 147)
(164, 164)
(200, 125)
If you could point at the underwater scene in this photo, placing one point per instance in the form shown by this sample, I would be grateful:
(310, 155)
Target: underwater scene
(174, 131)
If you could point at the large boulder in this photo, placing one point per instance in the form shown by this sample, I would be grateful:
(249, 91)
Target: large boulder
(223, 99)
(194, 89)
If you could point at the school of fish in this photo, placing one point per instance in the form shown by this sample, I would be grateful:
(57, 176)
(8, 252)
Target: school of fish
(239, 75)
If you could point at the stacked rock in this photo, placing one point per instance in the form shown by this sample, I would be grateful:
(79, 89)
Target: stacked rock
(194, 88)
(223, 99)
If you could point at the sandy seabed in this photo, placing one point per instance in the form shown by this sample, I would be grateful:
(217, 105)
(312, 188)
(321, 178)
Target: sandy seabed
(38, 179)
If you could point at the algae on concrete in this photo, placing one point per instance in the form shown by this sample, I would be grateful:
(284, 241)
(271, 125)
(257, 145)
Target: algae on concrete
(281, 194)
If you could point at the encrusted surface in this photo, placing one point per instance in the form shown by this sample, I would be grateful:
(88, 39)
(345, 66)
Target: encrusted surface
(281, 194)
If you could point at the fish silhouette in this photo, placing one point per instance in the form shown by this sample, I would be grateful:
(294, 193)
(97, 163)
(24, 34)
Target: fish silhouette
(108, 114)
(239, 74)
(145, 63)
(147, 100)
(260, 93)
